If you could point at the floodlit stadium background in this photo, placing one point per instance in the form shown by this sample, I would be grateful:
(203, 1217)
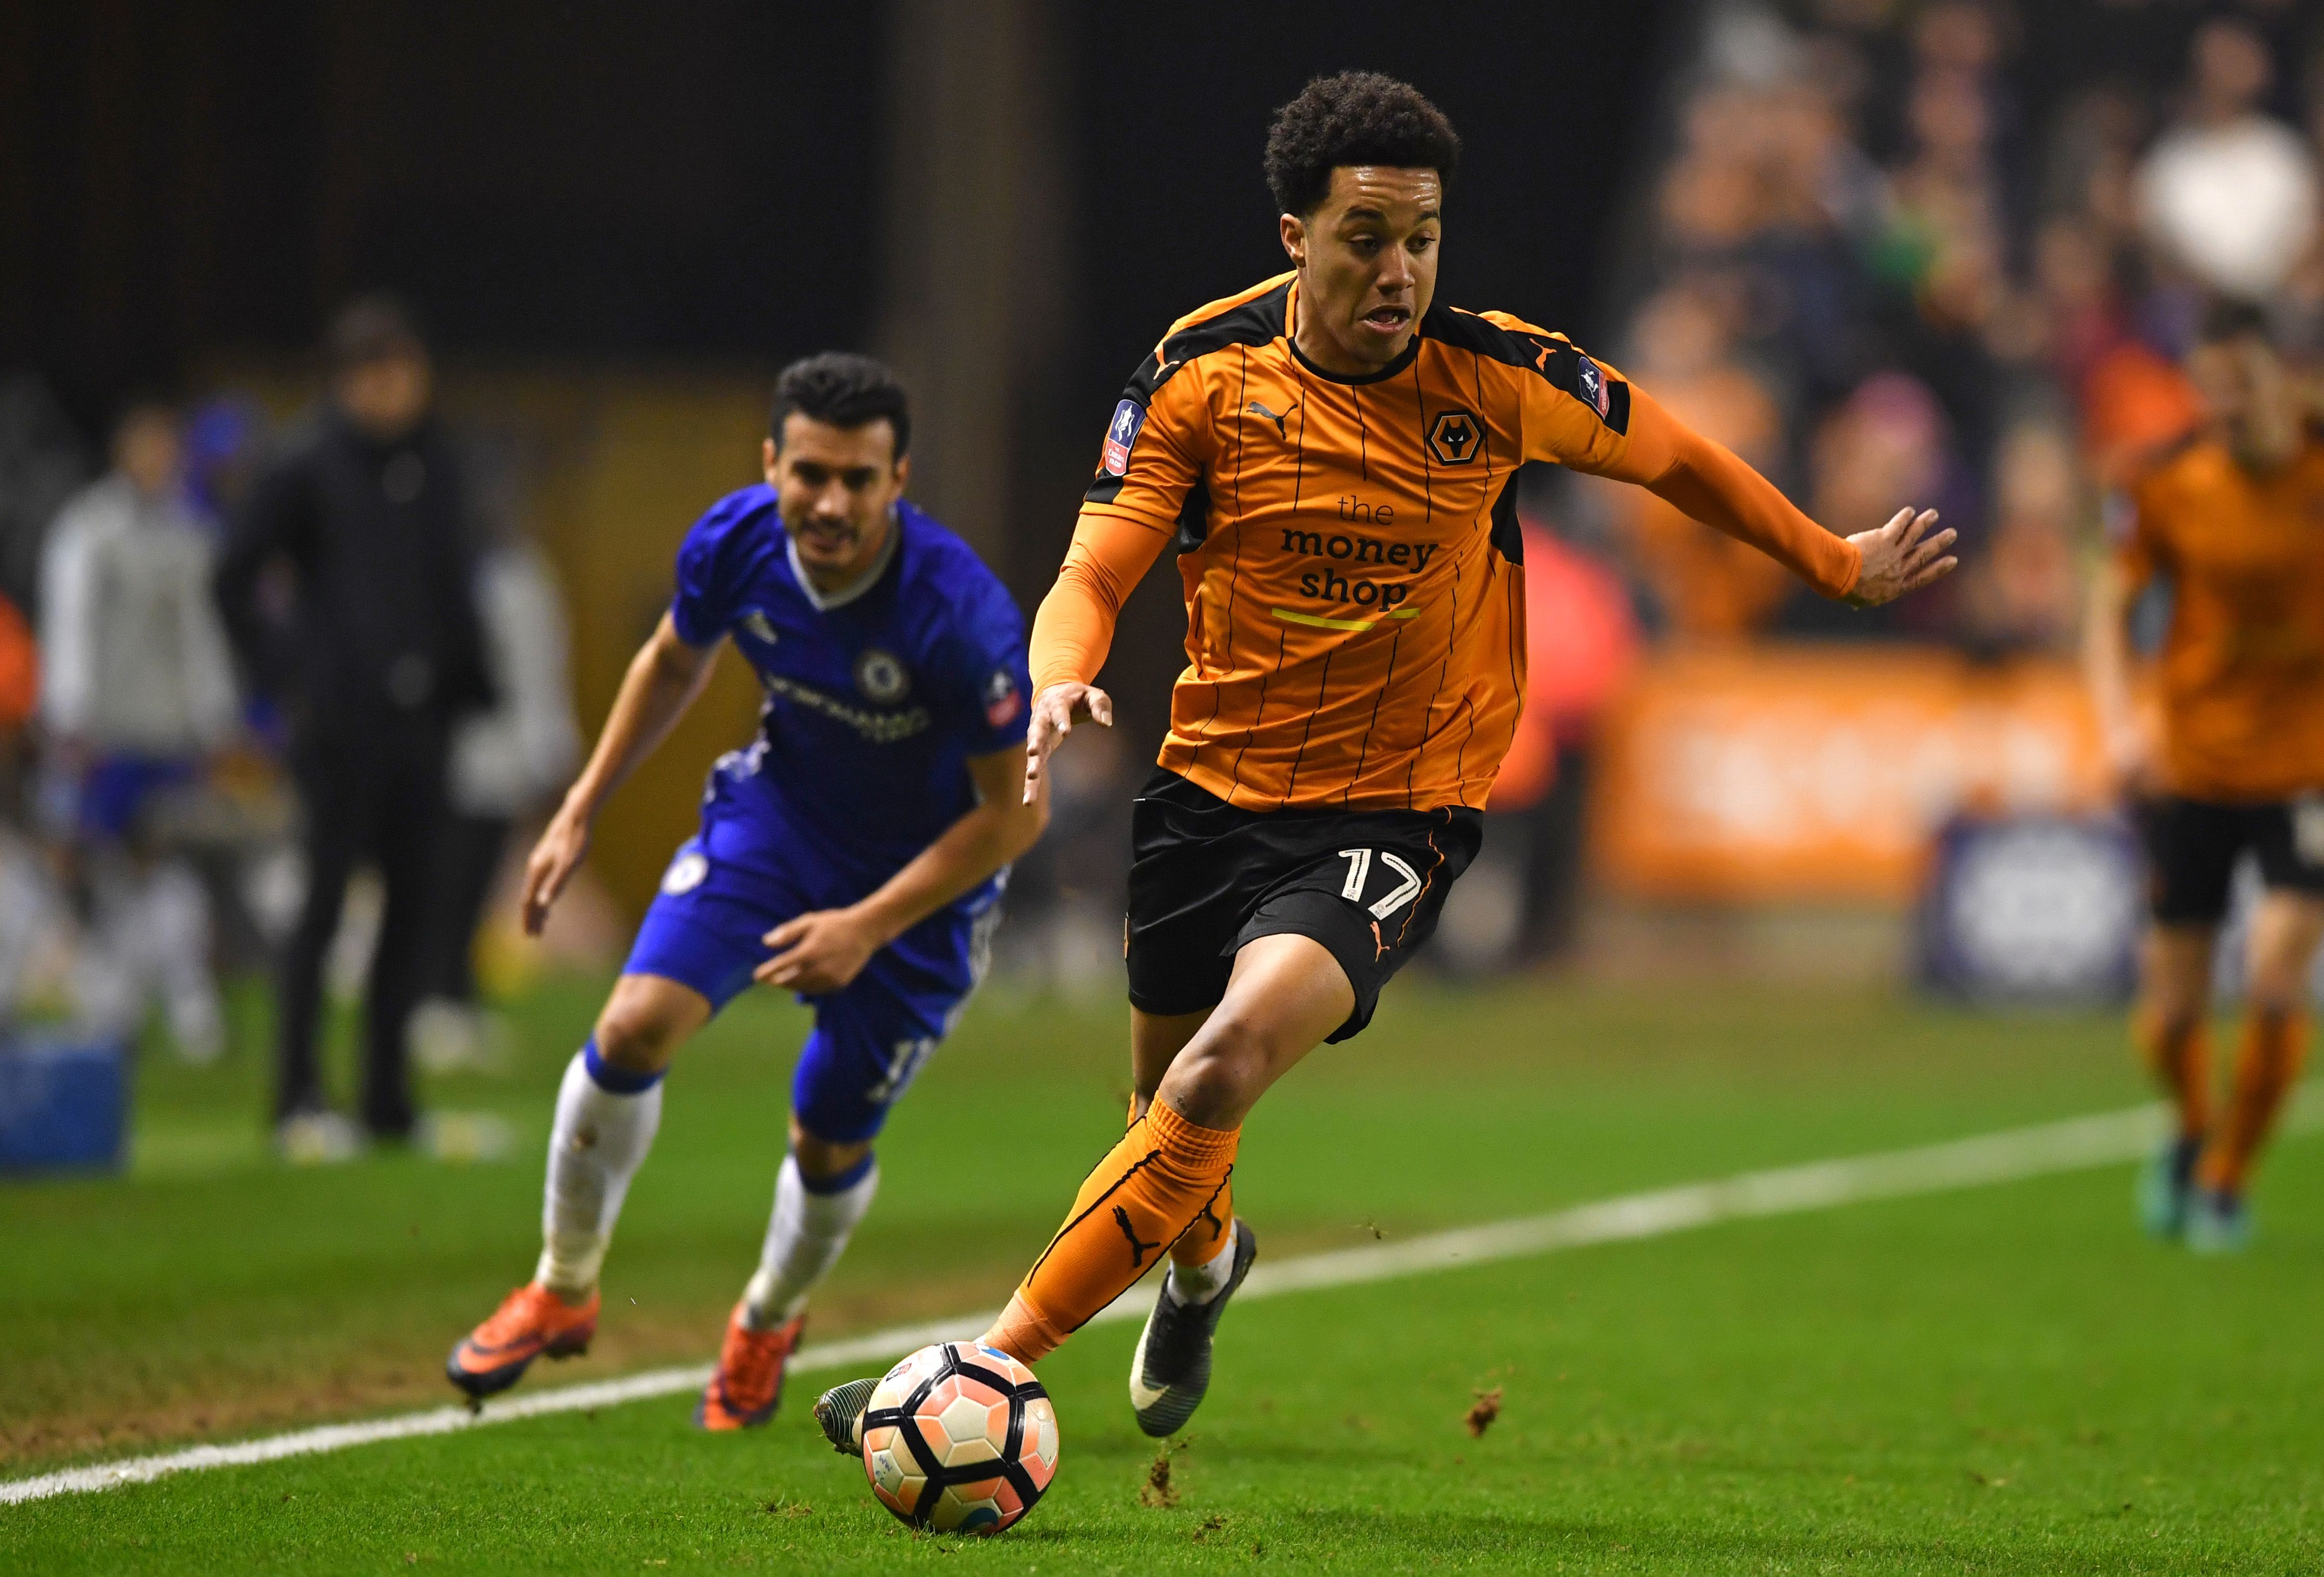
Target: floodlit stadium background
(1944, 253)
(1885, 251)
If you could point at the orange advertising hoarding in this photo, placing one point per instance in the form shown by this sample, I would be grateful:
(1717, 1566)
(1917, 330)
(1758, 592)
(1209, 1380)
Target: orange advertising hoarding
(1820, 772)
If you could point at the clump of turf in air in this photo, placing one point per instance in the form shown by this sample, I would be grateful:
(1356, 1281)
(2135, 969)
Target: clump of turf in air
(1480, 1416)
(1158, 1491)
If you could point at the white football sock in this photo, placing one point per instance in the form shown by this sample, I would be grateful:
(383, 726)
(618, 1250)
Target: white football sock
(804, 1239)
(600, 1140)
(1201, 1283)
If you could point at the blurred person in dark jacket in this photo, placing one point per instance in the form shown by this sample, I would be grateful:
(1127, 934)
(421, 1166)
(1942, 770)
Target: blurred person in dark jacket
(379, 657)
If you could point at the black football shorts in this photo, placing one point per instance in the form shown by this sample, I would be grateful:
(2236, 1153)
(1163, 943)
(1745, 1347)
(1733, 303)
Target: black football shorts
(1205, 878)
(2192, 846)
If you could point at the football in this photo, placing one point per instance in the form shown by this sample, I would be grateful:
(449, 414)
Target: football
(959, 1438)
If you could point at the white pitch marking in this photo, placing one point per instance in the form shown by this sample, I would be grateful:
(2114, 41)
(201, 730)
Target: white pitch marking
(2075, 1144)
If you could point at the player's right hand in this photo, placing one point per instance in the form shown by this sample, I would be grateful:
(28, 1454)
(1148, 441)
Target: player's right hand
(1055, 710)
(1900, 556)
(553, 861)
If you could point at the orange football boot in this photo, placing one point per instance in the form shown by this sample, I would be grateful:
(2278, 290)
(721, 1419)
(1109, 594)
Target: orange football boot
(531, 1321)
(749, 1383)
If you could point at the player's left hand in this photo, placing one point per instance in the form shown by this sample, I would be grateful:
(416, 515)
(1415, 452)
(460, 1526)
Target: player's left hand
(1901, 557)
(1055, 710)
(819, 952)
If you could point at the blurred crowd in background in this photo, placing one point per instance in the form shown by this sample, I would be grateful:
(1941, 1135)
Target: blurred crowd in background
(230, 749)
(1947, 253)
(1880, 267)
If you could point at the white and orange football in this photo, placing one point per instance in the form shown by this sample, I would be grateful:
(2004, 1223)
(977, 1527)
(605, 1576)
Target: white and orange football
(960, 1438)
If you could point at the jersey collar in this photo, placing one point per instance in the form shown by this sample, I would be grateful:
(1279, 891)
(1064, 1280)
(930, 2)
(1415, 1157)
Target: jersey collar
(824, 602)
(1291, 337)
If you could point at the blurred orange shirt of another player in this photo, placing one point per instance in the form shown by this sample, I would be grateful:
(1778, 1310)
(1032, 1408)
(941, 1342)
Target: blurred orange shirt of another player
(2241, 673)
(1581, 642)
(2135, 405)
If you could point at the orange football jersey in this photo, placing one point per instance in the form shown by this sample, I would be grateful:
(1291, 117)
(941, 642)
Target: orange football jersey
(2242, 667)
(1349, 546)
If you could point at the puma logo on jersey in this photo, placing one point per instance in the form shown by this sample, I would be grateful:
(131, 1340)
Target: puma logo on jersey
(1280, 430)
(1137, 1248)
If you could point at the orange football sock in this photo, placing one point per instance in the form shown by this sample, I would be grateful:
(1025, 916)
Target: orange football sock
(1163, 1175)
(2268, 1058)
(1200, 1243)
(2180, 1063)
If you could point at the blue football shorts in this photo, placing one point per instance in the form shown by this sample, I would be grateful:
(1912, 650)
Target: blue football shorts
(703, 930)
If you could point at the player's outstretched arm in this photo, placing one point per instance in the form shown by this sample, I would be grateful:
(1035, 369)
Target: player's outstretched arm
(663, 680)
(1716, 486)
(822, 951)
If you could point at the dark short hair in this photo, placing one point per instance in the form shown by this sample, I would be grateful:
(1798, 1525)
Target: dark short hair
(2228, 318)
(1357, 117)
(147, 399)
(373, 328)
(843, 390)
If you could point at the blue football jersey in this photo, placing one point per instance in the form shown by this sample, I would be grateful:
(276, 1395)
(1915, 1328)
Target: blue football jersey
(873, 702)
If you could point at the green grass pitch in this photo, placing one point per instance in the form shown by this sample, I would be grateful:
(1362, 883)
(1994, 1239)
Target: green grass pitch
(2000, 1379)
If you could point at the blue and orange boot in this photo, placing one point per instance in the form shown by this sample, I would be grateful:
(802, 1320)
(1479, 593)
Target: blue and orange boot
(531, 1321)
(748, 1386)
(2164, 1185)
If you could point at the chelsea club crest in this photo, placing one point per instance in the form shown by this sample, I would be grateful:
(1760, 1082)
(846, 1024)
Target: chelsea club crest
(881, 677)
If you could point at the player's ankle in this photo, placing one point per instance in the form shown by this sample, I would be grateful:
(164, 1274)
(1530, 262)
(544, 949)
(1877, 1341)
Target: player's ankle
(1023, 1332)
(761, 1311)
(1199, 1283)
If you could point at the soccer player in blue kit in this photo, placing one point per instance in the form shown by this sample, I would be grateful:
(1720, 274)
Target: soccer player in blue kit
(854, 853)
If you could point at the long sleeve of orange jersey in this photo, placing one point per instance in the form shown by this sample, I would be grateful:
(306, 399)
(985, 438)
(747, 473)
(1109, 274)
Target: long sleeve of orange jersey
(1649, 445)
(1151, 460)
(1073, 627)
(1710, 483)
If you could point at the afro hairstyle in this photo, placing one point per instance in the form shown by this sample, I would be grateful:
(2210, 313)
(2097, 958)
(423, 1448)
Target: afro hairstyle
(1356, 118)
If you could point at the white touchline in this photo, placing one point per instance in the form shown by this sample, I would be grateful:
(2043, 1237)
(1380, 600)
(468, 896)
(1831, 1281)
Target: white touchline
(2076, 1144)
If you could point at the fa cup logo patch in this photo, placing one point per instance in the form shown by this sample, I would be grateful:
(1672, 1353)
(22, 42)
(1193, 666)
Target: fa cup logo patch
(1128, 418)
(1592, 381)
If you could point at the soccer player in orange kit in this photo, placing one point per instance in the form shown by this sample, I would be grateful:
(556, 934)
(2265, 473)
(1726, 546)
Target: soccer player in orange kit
(2232, 519)
(1331, 455)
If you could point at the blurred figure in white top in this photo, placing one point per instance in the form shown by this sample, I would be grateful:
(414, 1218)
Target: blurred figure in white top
(137, 689)
(2229, 193)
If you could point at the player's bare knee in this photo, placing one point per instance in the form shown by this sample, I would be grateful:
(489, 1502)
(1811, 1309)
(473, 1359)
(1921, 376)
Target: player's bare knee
(2174, 1001)
(2276, 990)
(2174, 1018)
(819, 1158)
(1220, 1077)
(633, 1037)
